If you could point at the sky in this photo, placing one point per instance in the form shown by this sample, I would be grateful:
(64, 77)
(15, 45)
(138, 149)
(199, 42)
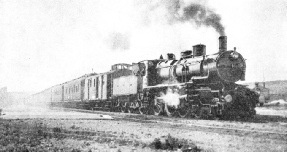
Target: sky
(48, 42)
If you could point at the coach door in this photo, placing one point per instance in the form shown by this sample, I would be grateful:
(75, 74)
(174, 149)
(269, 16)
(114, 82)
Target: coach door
(109, 85)
(102, 87)
(82, 89)
(97, 87)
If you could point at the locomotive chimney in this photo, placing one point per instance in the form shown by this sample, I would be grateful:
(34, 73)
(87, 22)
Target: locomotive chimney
(222, 43)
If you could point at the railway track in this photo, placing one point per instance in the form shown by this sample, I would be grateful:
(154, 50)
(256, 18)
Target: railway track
(227, 126)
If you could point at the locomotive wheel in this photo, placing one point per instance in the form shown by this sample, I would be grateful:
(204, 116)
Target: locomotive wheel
(116, 106)
(140, 108)
(123, 107)
(157, 110)
(130, 108)
(143, 110)
(204, 113)
(137, 106)
(195, 111)
(183, 109)
(183, 112)
(171, 111)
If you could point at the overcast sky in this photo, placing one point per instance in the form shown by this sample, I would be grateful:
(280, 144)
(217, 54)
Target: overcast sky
(47, 42)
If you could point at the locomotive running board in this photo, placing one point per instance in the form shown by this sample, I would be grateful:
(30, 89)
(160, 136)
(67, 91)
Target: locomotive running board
(168, 85)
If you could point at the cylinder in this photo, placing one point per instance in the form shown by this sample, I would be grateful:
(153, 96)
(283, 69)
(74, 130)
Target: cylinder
(222, 43)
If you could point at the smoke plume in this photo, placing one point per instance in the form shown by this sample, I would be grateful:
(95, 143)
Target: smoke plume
(176, 11)
(202, 16)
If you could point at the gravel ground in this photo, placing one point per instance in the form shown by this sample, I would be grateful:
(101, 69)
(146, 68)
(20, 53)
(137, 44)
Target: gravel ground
(73, 131)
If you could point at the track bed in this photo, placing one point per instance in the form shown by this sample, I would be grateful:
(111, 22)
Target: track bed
(84, 132)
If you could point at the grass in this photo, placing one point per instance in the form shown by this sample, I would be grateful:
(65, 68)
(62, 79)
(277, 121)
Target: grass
(172, 144)
(16, 135)
(32, 135)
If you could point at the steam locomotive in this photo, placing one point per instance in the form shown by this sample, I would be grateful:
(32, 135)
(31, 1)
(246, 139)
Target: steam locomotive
(196, 85)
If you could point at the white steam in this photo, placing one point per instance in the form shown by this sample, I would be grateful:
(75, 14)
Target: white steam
(171, 97)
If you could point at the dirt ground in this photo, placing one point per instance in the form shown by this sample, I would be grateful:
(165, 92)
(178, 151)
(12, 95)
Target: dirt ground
(74, 131)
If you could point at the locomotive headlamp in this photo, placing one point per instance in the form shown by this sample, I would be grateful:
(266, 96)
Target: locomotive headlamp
(234, 55)
(228, 98)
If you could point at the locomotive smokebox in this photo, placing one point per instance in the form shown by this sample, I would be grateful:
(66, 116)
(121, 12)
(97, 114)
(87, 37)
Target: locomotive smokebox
(222, 43)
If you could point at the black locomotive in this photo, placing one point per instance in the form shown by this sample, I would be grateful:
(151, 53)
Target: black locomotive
(196, 85)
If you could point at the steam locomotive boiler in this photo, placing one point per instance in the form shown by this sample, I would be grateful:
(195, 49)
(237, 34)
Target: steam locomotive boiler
(225, 66)
(197, 84)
